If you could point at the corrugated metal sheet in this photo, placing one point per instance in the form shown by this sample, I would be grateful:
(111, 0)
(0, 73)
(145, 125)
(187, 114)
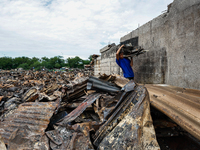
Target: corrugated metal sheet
(180, 104)
(2, 145)
(76, 112)
(36, 115)
(131, 126)
(97, 84)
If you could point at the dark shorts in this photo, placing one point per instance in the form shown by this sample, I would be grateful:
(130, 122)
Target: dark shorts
(131, 78)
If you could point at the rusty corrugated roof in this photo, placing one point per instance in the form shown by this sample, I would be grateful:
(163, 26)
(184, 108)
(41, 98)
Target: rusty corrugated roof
(36, 115)
(180, 104)
(76, 112)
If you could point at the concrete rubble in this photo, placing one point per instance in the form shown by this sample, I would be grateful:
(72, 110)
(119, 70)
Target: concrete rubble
(73, 110)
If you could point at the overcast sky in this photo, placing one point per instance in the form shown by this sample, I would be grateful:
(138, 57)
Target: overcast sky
(69, 28)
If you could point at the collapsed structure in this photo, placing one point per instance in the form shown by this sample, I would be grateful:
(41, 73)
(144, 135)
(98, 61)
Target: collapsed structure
(170, 68)
(46, 110)
(43, 110)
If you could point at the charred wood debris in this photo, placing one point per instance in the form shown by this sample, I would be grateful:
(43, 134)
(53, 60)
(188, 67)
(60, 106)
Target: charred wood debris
(68, 110)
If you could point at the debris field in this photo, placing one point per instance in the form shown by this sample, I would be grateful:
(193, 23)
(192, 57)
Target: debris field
(73, 110)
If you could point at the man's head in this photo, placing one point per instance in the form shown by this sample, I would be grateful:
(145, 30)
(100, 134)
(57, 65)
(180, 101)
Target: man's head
(121, 55)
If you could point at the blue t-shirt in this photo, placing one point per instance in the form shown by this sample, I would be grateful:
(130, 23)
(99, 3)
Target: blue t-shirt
(126, 67)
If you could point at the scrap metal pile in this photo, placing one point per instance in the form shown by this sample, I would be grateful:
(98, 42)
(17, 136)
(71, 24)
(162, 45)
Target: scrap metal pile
(131, 51)
(58, 111)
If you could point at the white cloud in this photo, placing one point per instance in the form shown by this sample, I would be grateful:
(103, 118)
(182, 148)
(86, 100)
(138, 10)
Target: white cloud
(71, 28)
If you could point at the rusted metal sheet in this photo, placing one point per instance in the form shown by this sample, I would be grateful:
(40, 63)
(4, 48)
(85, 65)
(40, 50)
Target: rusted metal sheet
(24, 139)
(113, 120)
(132, 128)
(57, 117)
(10, 106)
(2, 144)
(75, 113)
(1, 97)
(130, 86)
(51, 88)
(86, 127)
(51, 97)
(75, 88)
(36, 115)
(31, 95)
(77, 92)
(70, 139)
(119, 98)
(180, 104)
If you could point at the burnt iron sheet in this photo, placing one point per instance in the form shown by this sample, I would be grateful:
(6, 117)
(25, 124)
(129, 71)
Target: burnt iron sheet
(2, 144)
(117, 113)
(100, 85)
(36, 115)
(24, 139)
(180, 104)
(130, 126)
(72, 137)
(75, 88)
(76, 112)
(69, 139)
(117, 79)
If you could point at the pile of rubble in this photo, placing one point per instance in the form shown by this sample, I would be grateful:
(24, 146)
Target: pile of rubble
(58, 111)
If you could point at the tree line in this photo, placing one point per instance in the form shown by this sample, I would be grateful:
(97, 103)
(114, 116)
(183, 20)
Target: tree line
(7, 63)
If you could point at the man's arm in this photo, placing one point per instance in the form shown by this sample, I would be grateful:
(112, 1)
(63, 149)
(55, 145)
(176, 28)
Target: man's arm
(131, 63)
(117, 54)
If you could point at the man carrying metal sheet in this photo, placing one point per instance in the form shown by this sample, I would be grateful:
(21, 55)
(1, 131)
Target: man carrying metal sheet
(125, 64)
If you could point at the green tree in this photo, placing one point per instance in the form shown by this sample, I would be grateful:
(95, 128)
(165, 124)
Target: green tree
(36, 65)
(33, 60)
(90, 58)
(6, 63)
(86, 62)
(75, 62)
(50, 63)
(45, 62)
(57, 65)
(20, 60)
(25, 66)
(45, 59)
(57, 59)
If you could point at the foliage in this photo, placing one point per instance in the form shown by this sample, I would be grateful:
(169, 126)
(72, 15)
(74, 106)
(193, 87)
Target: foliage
(56, 60)
(7, 63)
(24, 66)
(57, 65)
(75, 62)
(90, 58)
(36, 65)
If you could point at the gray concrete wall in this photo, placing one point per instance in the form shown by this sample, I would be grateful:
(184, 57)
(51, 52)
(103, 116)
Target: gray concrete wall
(97, 67)
(173, 41)
(108, 64)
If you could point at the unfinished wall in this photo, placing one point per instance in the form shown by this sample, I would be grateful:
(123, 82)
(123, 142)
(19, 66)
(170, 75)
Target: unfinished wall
(97, 67)
(108, 64)
(173, 42)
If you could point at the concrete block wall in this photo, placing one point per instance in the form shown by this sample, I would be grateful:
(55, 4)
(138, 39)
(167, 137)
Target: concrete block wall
(97, 67)
(173, 42)
(108, 64)
(151, 67)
